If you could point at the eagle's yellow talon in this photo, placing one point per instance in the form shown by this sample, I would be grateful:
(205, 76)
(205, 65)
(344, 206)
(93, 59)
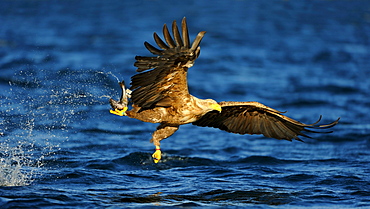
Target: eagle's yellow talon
(119, 112)
(157, 155)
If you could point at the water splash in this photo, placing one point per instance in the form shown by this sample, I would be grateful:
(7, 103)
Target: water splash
(17, 168)
(111, 74)
(21, 156)
(40, 111)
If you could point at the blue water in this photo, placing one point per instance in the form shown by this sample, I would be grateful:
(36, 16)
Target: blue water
(61, 61)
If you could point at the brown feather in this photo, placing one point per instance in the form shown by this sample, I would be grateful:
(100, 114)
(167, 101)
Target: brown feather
(256, 118)
(176, 34)
(152, 49)
(185, 33)
(159, 42)
(158, 74)
(167, 37)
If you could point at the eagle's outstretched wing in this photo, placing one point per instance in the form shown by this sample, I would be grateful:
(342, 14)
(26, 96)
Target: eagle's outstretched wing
(256, 118)
(167, 80)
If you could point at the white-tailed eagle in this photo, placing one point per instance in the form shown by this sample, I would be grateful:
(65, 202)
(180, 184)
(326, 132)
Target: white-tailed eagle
(159, 94)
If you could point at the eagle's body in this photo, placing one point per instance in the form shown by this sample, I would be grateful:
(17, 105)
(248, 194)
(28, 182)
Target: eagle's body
(189, 110)
(159, 94)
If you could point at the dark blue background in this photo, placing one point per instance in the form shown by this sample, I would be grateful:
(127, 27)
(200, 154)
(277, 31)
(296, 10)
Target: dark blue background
(60, 61)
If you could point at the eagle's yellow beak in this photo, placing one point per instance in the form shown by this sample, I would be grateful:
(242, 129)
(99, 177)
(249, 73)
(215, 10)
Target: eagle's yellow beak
(216, 107)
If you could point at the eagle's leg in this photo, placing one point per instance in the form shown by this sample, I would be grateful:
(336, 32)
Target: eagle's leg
(119, 112)
(163, 131)
(120, 107)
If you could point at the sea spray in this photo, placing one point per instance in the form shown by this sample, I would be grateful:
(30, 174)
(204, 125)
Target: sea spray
(17, 165)
(39, 112)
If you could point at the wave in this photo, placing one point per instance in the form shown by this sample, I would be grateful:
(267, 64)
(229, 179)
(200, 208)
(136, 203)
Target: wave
(217, 197)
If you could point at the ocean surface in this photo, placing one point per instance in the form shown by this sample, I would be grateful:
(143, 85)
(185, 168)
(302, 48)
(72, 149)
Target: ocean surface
(60, 62)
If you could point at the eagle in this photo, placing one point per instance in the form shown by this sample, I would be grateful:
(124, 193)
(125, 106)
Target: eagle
(159, 94)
